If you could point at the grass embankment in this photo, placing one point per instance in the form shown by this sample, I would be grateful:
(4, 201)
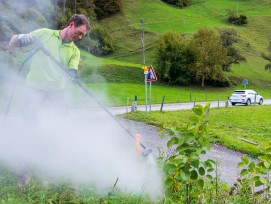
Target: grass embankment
(124, 65)
(227, 125)
(117, 93)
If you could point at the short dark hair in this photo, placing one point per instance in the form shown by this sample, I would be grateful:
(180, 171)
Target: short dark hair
(79, 19)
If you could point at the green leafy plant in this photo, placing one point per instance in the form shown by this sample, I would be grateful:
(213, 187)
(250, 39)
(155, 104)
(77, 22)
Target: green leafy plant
(187, 143)
(255, 174)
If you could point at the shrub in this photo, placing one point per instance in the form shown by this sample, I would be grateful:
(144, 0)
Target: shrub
(173, 58)
(178, 3)
(105, 8)
(237, 20)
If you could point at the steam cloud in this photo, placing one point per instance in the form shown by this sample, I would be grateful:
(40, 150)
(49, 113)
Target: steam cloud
(83, 145)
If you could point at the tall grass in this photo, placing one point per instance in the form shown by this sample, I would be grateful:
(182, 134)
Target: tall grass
(228, 125)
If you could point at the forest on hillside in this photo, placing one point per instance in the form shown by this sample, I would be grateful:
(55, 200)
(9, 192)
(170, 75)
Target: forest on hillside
(179, 60)
(27, 15)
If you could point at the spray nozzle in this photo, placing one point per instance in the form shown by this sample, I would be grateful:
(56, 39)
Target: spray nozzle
(146, 152)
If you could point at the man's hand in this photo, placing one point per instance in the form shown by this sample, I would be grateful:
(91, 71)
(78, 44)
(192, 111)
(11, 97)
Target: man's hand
(73, 76)
(25, 39)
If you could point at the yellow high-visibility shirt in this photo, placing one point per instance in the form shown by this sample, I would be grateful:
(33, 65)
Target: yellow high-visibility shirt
(44, 74)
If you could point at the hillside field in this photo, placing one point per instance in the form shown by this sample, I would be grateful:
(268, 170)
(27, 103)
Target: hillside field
(159, 18)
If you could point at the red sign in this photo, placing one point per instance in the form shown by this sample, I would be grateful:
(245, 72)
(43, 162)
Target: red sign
(151, 76)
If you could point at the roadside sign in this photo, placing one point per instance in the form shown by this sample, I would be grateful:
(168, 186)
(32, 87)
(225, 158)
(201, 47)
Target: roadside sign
(151, 75)
(245, 82)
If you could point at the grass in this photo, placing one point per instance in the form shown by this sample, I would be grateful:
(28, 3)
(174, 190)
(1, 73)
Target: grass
(227, 125)
(117, 93)
(37, 192)
(159, 18)
(122, 70)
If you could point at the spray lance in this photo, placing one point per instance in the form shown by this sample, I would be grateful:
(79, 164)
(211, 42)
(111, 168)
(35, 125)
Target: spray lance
(39, 46)
(30, 55)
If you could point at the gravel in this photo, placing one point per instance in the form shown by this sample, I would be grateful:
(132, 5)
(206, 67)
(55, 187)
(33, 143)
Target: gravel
(227, 159)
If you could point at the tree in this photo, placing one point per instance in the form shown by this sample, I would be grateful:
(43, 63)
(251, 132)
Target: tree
(178, 3)
(173, 58)
(268, 58)
(229, 37)
(105, 8)
(69, 7)
(210, 55)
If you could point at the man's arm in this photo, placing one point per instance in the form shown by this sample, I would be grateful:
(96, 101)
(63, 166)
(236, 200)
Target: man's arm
(18, 41)
(13, 43)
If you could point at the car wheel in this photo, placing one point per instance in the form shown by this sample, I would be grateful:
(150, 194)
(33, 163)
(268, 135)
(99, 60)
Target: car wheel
(233, 104)
(261, 101)
(248, 102)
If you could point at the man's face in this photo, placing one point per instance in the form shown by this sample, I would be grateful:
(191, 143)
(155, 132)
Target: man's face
(76, 33)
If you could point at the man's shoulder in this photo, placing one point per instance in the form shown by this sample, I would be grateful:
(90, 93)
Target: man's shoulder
(44, 31)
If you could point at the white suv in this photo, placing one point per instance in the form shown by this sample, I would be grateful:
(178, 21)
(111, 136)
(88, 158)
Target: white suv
(245, 97)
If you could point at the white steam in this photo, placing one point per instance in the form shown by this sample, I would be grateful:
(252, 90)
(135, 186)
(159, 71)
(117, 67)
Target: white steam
(82, 145)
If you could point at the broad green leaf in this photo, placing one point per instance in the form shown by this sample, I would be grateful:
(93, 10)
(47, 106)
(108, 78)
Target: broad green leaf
(251, 165)
(190, 127)
(203, 152)
(241, 164)
(263, 180)
(244, 172)
(267, 151)
(169, 167)
(200, 182)
(198, 109)
(206, 107)
(267, 165)
(169, 182)
(195, 163)
(171, 131)
(194, 118)
(255, 178)
(244, 159)
(194, 175)
(163, 135)
(188, 137)
(209, 177)
(266, 158)
(184, 175)
(258, 183)
(210, 169)
(201, 171)
(180, 159)
(181, 141)
(210, 161)
(172, 142)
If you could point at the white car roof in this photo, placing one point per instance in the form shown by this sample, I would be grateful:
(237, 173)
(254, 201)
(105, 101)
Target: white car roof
(245, 90)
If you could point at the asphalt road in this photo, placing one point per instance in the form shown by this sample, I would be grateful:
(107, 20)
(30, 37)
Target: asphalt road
(227, 159)
(174, 106)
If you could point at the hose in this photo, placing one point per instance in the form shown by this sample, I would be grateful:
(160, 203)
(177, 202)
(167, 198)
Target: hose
(39, 46)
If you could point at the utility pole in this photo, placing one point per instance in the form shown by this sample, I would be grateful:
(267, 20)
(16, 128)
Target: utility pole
(237, 8)
(144, 67)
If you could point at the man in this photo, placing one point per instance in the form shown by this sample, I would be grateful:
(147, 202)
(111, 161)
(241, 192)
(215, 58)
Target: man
(46, 80)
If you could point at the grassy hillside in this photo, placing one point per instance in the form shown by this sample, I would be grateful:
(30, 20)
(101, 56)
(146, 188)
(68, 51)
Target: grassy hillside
(160, 18)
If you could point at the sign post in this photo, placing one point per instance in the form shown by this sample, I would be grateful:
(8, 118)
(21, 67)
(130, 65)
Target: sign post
(151, 77)
(245, 82)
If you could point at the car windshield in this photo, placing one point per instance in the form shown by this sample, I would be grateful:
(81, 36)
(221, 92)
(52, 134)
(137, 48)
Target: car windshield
(239, 92)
